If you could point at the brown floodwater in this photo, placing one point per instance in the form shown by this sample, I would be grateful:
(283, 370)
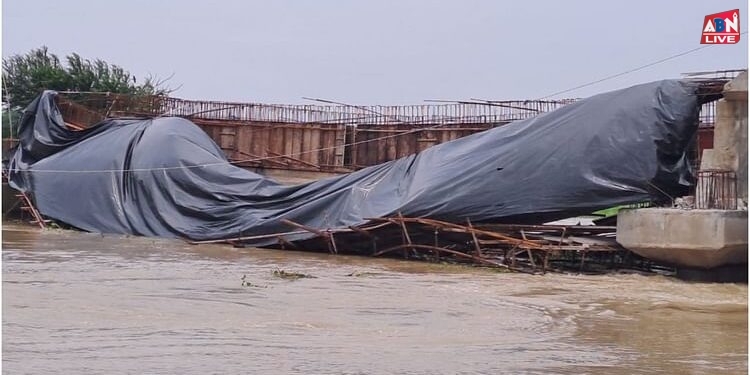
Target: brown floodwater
(85, 303)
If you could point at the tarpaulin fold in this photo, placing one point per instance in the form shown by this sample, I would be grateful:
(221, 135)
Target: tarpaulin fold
(165, 177)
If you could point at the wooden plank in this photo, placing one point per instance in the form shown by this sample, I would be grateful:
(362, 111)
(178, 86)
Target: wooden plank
(293, 159)
(340, 139)
(231, 134)
(443, 136)
(288, 140)
(248, 158)
(259, 136)
(382, 146)
(370, 153)
(372, 149)
(296, 143)
(244, 139)
(456, 134)
(307, 144)
(429, 139)
(359, 150)
(411, 143)
(315, 144)
(228, 135)
(391, 145)
(403, 145)
(325, 143)
(331, 145)
(277, 139)
(350, 151)
(214, 132)
(264, 142)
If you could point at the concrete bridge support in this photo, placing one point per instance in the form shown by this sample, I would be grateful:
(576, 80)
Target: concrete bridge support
(701, 239)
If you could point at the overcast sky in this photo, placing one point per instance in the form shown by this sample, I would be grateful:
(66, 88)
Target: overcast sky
(378, 52)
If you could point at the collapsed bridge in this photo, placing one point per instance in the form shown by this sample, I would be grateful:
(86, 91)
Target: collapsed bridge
(164, 176)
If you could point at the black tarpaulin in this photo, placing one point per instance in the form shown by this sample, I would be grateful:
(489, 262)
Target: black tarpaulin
(165, 177)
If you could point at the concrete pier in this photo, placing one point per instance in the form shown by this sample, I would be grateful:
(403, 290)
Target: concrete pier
(685, 238)
(696, 240)
(730, 135)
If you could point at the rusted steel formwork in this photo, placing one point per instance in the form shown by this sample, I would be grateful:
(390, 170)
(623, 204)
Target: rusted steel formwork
(372, 145)
(371, 134)
(338, 147)
(314, 147)
(327, 138)
(325, 147)
(336, 138)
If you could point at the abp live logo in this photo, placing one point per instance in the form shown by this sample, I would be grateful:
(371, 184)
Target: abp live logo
(721, 28)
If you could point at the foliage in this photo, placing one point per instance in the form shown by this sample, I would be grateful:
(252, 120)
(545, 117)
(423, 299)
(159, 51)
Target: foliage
(9, 116)
(26, 76)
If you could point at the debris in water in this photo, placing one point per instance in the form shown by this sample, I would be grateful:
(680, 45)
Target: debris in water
(362, 274)
(291, 275)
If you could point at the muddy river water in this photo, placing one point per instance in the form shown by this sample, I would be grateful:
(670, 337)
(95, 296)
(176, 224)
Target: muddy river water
(85, 303)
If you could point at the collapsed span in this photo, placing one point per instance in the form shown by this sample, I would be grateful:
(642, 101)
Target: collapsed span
(165, 177)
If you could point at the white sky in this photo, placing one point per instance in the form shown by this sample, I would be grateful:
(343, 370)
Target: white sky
(378, 52)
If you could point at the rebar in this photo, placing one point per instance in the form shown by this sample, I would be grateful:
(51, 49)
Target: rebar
(716, 189)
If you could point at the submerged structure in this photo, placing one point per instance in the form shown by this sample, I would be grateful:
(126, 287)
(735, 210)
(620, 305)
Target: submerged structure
(165, 177)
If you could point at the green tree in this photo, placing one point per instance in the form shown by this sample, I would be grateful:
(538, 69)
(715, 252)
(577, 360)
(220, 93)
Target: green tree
(25, 76)
(9, 116)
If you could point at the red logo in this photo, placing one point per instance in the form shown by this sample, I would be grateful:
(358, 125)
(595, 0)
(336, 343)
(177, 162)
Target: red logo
(721, 28)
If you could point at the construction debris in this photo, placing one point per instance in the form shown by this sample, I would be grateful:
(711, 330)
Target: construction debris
(521, 248)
